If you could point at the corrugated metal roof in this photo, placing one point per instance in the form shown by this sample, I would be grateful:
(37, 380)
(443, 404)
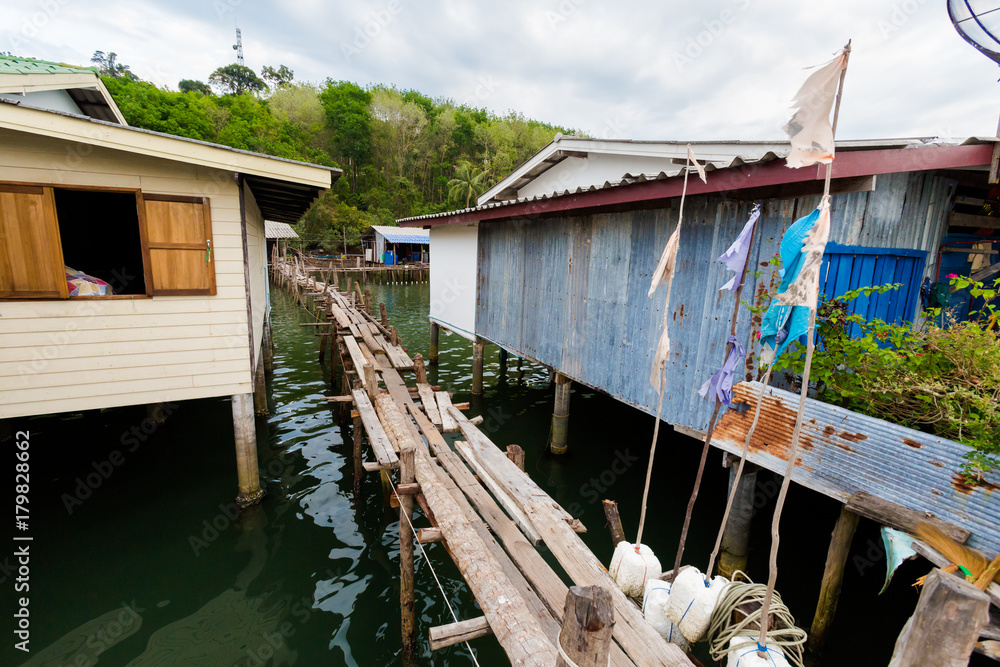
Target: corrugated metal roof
(404, 234)
(14, 65)
(737, 161)
(842, 452)
(279, 230)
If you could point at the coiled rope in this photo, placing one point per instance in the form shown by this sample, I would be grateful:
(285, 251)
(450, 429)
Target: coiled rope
(782, 633)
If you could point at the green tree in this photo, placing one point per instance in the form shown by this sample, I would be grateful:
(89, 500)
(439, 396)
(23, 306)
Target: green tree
(467, 183)
(348, 118)
(237, 80)
(108, 65)
(193, 86)
(277, 77)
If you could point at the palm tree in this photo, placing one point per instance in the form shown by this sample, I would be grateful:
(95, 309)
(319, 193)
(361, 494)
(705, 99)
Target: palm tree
(468, 183)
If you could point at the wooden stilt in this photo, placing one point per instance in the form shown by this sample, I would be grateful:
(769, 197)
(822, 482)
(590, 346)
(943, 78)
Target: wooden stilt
(432, 352)
(407, 475)
(248, 476)
(516, 454)
(384, 313)
(588, 620)
(614, 522)
(267, 349)
(560, 415)
(368, 302)
(736, 536)
(419, 370)
(155, 413)
(947, 622)
(356, 428)
(477, 367)
(833, 578)
(259, 391)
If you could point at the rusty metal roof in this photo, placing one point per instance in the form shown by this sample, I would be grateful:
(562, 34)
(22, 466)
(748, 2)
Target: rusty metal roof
(843, 452)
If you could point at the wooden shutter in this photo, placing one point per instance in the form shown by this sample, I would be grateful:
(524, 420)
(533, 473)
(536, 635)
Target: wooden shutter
(31, 261)
(179, 241)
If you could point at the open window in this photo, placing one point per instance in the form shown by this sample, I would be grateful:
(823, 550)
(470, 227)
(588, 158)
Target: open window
(63, 242)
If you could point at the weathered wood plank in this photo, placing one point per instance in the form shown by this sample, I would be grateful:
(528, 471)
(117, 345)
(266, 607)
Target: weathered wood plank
(455, 633)
(377, 437)
(448, 423)
(429, 402)
(501, 496)
(357, 358)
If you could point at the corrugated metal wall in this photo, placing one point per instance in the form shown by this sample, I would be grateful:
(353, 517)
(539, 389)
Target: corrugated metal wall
(571, 292)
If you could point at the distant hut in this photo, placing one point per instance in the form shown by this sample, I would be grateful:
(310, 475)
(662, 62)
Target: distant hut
(276, 233)
(396, 245)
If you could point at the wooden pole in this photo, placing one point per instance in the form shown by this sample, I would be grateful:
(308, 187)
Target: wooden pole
(371, 382)
(614, 522)
(587, 624)
(432, 353)
(736, 536)
(384, 314)
(368, 302)
(248, 476)
(833, 578)
(259, 391)
(407, 475)
(947, 622)
(268, 349)
(477, 367)
(356, 429)
(394, 337)
(419, 370)
(560, 415)
(516, 454)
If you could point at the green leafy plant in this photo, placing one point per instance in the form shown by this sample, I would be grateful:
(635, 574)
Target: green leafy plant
(942, 380)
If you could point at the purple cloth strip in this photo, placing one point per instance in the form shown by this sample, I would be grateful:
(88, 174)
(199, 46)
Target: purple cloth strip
(721, 382)
(735, 258)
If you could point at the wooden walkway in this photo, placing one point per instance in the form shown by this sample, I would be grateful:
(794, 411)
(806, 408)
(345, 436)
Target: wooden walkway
(486, 512)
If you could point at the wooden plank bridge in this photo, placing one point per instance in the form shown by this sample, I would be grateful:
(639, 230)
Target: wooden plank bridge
(482, 507)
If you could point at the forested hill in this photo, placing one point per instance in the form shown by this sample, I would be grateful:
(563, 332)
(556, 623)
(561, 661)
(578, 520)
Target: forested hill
(402, 152)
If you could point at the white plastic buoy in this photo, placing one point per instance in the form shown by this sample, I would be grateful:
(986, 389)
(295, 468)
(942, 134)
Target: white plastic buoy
(632, 568)
(746, 654)
(692, 602)
(654, 610)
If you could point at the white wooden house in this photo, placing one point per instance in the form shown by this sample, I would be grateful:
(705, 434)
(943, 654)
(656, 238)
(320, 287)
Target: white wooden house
(173, 228)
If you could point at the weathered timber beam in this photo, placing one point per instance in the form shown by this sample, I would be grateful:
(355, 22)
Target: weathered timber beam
(455, 633)
(901, 518)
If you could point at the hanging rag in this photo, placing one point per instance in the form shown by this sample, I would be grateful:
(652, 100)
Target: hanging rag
(721, 382)
(809, 129)
(664, 275)
(789, 312)
(697, 165)
(735, 258)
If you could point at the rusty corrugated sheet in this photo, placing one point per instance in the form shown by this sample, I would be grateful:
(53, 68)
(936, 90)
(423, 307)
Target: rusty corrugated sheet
(843, 452)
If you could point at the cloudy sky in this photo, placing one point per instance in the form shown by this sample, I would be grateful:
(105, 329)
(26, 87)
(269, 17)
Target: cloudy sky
(715, 69)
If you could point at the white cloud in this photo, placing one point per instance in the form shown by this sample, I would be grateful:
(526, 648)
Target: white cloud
(677, 70)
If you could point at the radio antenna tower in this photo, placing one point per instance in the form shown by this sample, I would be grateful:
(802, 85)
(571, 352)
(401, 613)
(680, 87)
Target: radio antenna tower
(238, 46)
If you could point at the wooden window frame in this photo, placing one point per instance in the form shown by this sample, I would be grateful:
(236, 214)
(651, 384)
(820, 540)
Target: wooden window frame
(183, 199)
(140, 201)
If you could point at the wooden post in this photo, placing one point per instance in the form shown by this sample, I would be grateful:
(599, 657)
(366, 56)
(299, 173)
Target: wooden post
(394, 337)
(503, 365)
(259, 391)
(155, 413)
(371, 382)
(419, 370)
(384, 313)
(407, 475)
(356, 429)
(432, 353)
(248, 476)
(588, 620)
(477, 367)
(614, 522)
(516, 454)
(833, 577)
(736, 536)
(947, 622)
(368, 302)
(267, 349)
(560, 415)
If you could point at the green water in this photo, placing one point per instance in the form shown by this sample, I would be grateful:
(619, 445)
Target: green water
(138, 559)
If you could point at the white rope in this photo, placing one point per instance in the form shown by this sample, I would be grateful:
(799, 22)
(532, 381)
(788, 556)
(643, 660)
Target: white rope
(436, 580)
(568, 660)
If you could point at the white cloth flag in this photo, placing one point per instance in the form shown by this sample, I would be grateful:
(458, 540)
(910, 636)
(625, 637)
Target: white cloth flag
(809, 129)
(664, 274)
(697, 165)
(805, 290)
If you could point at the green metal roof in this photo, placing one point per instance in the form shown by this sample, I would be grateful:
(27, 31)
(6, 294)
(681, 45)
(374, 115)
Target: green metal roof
(15, 65)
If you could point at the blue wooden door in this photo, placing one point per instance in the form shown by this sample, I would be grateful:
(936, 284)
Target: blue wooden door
(849, 267)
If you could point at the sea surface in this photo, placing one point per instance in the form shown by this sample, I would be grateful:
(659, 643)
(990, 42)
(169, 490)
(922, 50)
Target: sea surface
(138, 556)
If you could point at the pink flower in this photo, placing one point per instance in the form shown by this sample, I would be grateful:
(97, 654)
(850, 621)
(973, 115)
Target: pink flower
(952, 275)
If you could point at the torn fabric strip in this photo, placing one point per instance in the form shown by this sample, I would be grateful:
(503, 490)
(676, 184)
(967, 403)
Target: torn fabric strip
(735, 258)
(697, 165)
(721, 383)
(809, 129)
